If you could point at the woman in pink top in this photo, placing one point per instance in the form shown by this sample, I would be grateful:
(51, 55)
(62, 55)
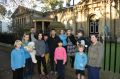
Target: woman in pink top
(60, 60)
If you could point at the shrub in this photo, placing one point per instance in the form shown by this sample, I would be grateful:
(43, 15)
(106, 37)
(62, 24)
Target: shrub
(7, 38)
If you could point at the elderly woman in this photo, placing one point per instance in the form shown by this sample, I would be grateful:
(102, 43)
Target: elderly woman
(95, 55)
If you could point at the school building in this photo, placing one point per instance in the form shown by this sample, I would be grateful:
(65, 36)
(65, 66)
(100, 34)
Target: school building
(93, 16)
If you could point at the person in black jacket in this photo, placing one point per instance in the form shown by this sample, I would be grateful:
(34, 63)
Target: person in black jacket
(71, 44)
(83, 40)
(52, 43)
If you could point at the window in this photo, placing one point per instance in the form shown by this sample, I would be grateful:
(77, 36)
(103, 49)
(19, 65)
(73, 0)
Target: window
(22, 21)
(96, 27)
(93, 27)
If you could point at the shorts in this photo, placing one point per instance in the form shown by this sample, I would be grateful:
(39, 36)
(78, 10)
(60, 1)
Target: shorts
(82, 72)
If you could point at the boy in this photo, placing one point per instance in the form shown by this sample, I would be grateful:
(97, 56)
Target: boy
(17, 60)
(80, 62)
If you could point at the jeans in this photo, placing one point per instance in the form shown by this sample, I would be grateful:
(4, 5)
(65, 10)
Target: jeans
(60, 69)
(28, 70)
(43, 61)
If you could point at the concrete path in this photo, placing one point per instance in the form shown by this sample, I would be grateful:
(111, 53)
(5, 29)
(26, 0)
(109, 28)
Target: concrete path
(6, 73)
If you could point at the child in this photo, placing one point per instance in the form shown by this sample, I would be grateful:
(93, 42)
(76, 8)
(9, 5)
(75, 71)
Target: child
(40, 54)
(60, 59)
(80, 62)
(17, 60)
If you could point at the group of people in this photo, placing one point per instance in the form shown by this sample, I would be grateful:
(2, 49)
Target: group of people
(58, 51)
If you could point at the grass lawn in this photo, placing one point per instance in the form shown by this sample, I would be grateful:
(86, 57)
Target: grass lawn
(110, 62)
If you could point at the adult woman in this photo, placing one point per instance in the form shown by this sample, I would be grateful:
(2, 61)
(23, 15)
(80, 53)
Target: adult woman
(95, 55)
(63, 38)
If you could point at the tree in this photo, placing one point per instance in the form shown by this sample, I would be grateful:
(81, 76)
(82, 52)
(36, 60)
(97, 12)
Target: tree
(68, 2)
(19, 31)
(51, 4)
(2, 10)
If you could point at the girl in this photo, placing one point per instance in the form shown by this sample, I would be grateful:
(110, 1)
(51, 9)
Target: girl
(40, 53)
(28, 64)
(17, 60)
(80, 62)
(60, 60)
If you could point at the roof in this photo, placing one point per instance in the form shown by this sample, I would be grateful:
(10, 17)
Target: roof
(28, 10)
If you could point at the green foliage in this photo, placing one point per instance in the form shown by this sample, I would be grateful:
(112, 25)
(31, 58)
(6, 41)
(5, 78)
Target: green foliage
(51, 4)
(2, 10)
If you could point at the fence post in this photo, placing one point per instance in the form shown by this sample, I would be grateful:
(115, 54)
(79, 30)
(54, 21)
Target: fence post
(104, 53)
(110, 54)
(115, 58)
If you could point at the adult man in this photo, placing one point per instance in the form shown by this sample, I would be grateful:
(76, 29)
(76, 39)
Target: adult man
(33, 34)
(52, 43)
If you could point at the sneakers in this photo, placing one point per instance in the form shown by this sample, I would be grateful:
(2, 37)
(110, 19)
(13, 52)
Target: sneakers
(55, 72)
(58, 77)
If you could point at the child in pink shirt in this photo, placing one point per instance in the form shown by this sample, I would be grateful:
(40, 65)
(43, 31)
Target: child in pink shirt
(60, 60)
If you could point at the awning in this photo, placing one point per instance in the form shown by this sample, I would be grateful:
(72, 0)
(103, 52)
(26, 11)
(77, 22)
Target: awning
(43, 19)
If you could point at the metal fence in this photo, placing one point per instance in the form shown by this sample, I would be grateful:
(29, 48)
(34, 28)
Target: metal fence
(111, 60)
